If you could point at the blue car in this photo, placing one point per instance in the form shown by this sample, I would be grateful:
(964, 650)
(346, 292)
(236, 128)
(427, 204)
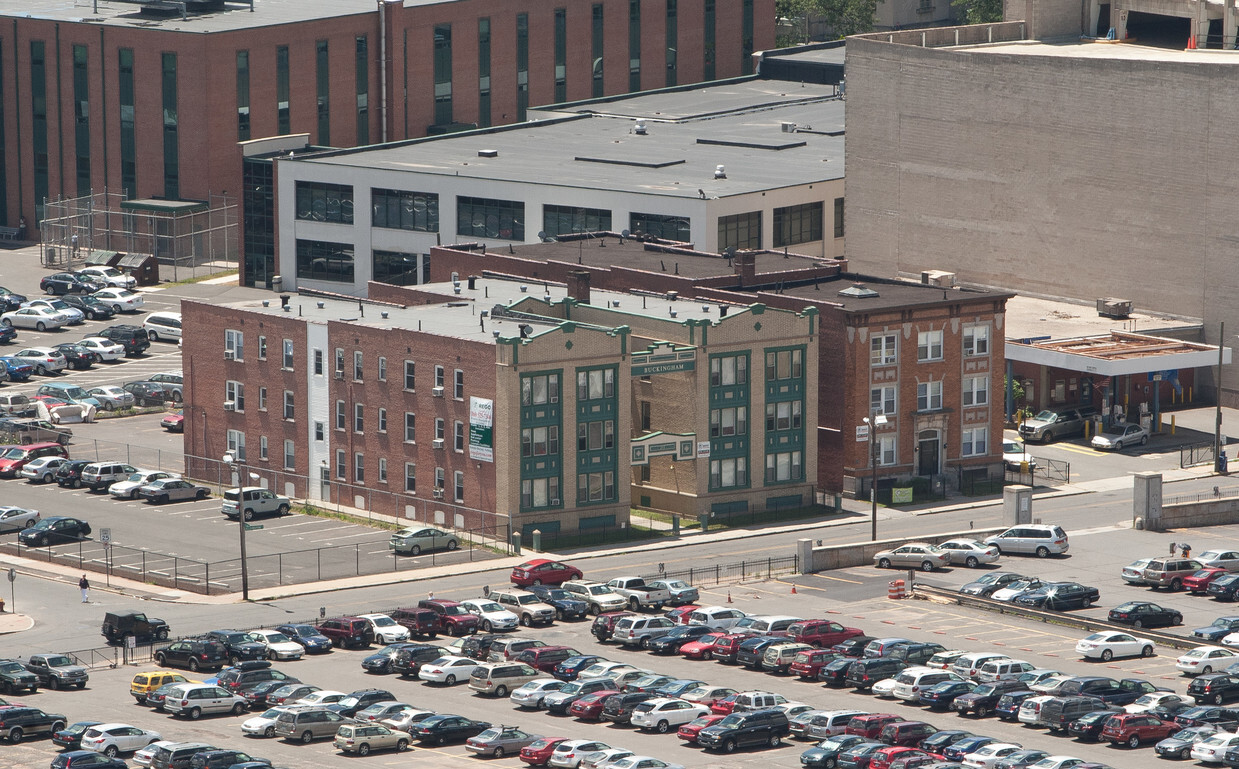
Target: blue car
(18, 371)
(957, 750)
(308, 636)
(1221, 627)
(567, 605)
(571, 668)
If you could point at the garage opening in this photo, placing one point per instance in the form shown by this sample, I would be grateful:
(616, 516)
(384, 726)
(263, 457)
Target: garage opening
(1158, 31)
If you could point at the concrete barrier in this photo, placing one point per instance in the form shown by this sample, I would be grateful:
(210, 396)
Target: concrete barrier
(824, 558)
(1208, 512)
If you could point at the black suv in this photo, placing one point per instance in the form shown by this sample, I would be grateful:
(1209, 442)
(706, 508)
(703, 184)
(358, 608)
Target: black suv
(477, 646)
(69, 474)
(132, 338)
(742, 730)
(916, 653)
(117, 625)
(360, 700)
(1214, 689)
(194, 654)
(751, 650)
(567, 605)
(863, 674)
(618, 707)
(983, 699)
(237, 646)
(18, 722)
(420, 622)
(408, 661)
(222, 759)
(1108, 690)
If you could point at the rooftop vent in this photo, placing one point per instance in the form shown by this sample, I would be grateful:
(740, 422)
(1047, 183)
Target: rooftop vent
(858, 291)
(1114, 308)
(938, 278)
(488, 153)
(720, 172)
(639, 129)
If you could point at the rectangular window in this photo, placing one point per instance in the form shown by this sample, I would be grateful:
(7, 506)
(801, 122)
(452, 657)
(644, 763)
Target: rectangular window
(976, 340)
(396, 268)
(321, 260)
(235, 392)
(458, 442)
(742, 231)
(438, 377)
(673, 42)
(595, 384)
(262, 348)
(487, 218)
(729, 421)
(595, 487)
(974, 442)
(886, 450)
(440, 431)
(318, 362)
(243, 96)
(234, 342)
(38, 109)
(358, 368)
(746, 37)
(929, 396)
(81, 118)
(128, 141)
(320, 431)
(443, 74)
(458, 385)
(566, 220)
(786, 415)
(439, 476)
(325, 202)
(262, 398)
(290, 455)
(595, 436)
(634, 45)
(882, 350)
(928, 346)
(382, 420)
(459, 484)
(383, 470)
(708, 52)
(797, 224)
(404, 210)
(236, 444)
(522, 66)
(784, 466)
(784, 364)
(645, 416)
(359, 418)
(410, 427)
(410, 478)
(838, 217)
(288, 405)
(282, 89)
(483, 73)
(382, 369)
(729, 370)
(561, 55)
(288, 354)
(341, 464)
(363, 90)
(410, 380)
(976, 390)
(539, 441)
(597, 43)
(661, 226)
(536, 390)
(882, 400)
(171, 151)
(322, 71)
(729, 473)
(540, 492)
(341, 416)
(359, 467)
(262, 448)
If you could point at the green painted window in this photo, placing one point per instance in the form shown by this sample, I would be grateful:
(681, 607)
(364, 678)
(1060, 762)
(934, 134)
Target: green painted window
(38, 116)
(128, 141)
(522, 66)
(282, 90)
(561, 55)
(634, 45)
(362, 49)
(443, 73)
(729, 403)
(598, 43)
(243, 96)
(171, 124)
(541, 448)
(81, 118)
(673, 41)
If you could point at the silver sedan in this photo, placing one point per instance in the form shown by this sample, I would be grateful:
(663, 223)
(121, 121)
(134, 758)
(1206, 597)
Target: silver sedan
(916, 555)
(969, 552)
(17, 518)
(111, 397)
(172, 490)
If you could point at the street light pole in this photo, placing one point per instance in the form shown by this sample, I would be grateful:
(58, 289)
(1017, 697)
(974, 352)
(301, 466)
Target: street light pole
(872, 423)
(231, 460)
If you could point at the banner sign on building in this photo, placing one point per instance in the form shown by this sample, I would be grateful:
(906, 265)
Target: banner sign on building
(482, 429)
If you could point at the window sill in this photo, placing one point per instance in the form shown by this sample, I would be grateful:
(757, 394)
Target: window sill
(290, 420)
(262, 459)
(288, 469)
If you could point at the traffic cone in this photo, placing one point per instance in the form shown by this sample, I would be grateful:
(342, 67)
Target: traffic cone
(1191, 42)
(728, 596)
(793, 589)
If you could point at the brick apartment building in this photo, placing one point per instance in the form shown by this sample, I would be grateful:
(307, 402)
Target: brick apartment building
(494, 403)
(136, 97)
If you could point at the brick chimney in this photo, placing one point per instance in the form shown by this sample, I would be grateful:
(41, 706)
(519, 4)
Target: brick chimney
(745, 265)
(578, 285)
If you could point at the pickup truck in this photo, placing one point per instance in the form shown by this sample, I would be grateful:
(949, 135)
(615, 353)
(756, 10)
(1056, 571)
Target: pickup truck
(640, 595)
(57, 670)
(1052, 424)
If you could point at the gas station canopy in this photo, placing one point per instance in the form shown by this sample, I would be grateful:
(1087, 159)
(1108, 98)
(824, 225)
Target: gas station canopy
(1115, 354)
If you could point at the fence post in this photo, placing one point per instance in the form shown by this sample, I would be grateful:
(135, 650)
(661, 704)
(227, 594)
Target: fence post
(208, 577)
(716, 579)
(767, 567)
(357, 556)
(176, 573)
(319, 554)
(143, 565)
(281, 564)
(79, 553)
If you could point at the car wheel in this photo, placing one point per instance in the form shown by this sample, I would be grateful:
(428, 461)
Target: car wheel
(707, 655)
(76, 483)
(537, 582)
(202, 493)
(133, 494)
(176, 396)
(645, 643)
(450, 680)
(43, 541)
(729, 746)
(162, 634)
(452, 544)
(363, 749)
(559, 615)
(1146, 651)
(595, 609)
(1177, 619)
(195, 714)
(440, 740)
(972, 562)
(775, 741)
(110, 751)
(15, 735)
(116, 308)
(401, 745)
(1137, 623)
(487, 627)
(53, 684)
(1048, 437)
(998, 547)
(238, 709)
(249, 515)
(1206, 670)
(982, 711)
(415, 550)
(1107, 655)
(501, 691)
(884, 563)
(307, 736)
(662, 727)
(927, 566)
(1133, 741)
(1087, 602)
(193, 664)
(41, 326)
(269, 731)
(162, 661)
(1217, 699)
(282, 509)
(830, 763)
(163, 500)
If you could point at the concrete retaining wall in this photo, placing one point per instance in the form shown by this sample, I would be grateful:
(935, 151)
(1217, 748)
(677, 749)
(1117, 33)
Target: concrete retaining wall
(828, 557)
(1208, 512)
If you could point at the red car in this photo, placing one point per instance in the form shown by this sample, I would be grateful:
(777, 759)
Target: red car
(724, 650)
(701, 648)
(539, 752)
(724, 706)
(870, 726)
(823, 633)
(808, 663)
(1133, 729)
(1198, 581)
(589, 707)
(173, 423)
(543, 571)
(882, 759)
(688, 732)
(680, 614)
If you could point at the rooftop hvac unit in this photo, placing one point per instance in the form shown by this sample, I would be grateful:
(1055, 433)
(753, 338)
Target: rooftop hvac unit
(938, 278)
(1114, 308)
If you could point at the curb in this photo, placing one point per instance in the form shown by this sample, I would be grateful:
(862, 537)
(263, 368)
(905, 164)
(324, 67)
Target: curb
(26, 621)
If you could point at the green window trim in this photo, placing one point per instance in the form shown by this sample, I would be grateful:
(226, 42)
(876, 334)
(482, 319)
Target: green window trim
(541, 394)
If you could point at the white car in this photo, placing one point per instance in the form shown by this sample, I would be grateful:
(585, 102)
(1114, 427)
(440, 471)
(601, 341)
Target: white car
(1147, 702)
(605, 668)
(448, 670)
(37, 318)
(491, 616)
(986, 756)
(530, 694)
(716, 617)
(114, 738)
(1206, 659)
(263, 724)
(279, 646)
(386, 629)
(884, 689)
(1015, 454)
(640, 762)
(46, 360)
(663, 714)
(969, 552)
(707, 694)
(128, 488)
(120, 299)
(914, 555)
(321, 697)
(1036, 676)
(600, 758)
(109, 276)
(407, 718)
(74, 315)
(146, 755)
(1109, 644)
(1220, 559)
(1015, 588)
(1120, 435)
(793, 709)
(103, 349)
(1050, 684)
(1211, 750)
(43, 469)
(568, 754)
(1057, 762)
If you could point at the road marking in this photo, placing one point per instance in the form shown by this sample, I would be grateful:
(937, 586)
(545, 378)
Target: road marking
(838, 579)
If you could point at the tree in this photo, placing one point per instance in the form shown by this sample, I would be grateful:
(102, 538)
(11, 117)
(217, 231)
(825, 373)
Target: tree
(843, 17)
(979, 11)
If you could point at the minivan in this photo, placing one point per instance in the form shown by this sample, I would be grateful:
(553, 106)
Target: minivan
(1031, 539)
(757, 701)
(13, 460)
(176, 755)
(1002, 670)
(909, 683)
(504, 649)
(309, 725)
(499, 678)
(98, 476)
(1057, 712)
(638, 630)
(1169, 572)
(165, 326)
(765, 625)
(779, 657)
(968, 666)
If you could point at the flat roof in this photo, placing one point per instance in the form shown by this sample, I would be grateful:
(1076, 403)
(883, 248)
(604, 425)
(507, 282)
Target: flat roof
(867, 293)
(1088, 49)
(832, 54)
(702, 100)
(1032, 317)
(1117, 353)
(235, 14)
(676, 159)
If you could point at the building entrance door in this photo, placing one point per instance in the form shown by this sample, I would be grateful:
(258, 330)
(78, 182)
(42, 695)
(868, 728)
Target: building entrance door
(928, 450)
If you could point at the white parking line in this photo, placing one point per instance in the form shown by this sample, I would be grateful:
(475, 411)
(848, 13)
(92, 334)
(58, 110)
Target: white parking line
(299, 523)
(346, 536)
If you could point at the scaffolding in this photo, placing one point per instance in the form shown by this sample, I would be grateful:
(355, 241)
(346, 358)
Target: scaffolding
(189, 238)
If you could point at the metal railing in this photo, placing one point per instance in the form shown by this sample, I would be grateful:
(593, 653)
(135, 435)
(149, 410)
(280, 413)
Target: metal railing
(1197, 454)
(740, 571)
(1217, 492)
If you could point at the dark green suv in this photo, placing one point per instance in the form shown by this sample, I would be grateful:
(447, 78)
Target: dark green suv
(17, 722)
(15, 678)
(743, 730)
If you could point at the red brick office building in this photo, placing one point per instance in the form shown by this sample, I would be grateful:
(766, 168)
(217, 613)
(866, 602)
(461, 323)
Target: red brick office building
(134, 97)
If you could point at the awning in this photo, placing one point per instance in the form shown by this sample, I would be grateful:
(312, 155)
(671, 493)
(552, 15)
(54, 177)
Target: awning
(1116, 354)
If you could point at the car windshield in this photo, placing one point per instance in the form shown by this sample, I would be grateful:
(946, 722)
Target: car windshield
(1046, 416)
(233, 638)
(1192, 653)
(525, 600)
(731, 720)
(349, 702)
(1098, 637)
(1129, 606)
(383, 621)
(488, 606)
(11, 667)
(558, 595)
(276, 638)
(44, 524)
(599, 590)
(16, 452)
(58, 661)
(272, 713)
(454, 611)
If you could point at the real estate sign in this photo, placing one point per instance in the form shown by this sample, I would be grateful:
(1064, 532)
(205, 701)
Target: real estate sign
(482, 429)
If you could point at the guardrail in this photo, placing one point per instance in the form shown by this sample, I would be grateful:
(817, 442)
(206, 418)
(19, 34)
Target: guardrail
(1058, 618)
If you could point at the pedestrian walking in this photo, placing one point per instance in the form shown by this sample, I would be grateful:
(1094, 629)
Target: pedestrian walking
(73, 243)
(84, 584)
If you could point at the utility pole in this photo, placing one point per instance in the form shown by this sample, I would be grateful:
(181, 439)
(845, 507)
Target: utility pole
(1217, 428)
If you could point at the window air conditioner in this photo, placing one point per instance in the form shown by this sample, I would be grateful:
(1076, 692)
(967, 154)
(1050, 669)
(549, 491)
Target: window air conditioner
(554, 503)
(230, 405)
(438, 493)
(437, 392)
(438, 443)
(230, 354)
(339, 375)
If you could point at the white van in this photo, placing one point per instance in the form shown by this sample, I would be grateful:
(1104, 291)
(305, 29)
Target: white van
(911, 682)
(163, 326)
(1002, 670)
(757, 701)
(968, 666)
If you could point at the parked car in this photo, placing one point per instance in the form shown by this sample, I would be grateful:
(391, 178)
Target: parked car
(1134, 729)
(174, 422)
(113, 738)
(543, 571)
(42, 470)
(969, 552)
(716, 617)
(18, 372)
(70, 738)
(1197, 583)
(77, 358)
(1059, 596)
(822, 633)
(56, 671)
(498, 741)
(1042, 540)
(1224, 588)
(108, 276)
(747, 729)
(163, 326)
(102, 349)
(254, 500)
(1179, 745)
(133, 338)
(415, 541)
(38, 318)
(600, 597)
(916, 555)
(128, 488)
(442, 729)
(56, 530)
(307, 636)
(1119, 435)
(566, 605)
(347, 631)
(74, 315)
(1214, 688)
(91, 306)
(146, 393)
(45, 361)
(165, 490)
(120, 299)
(16, 518)
(491, 616)
(681, 592)
(1170, 572)
(1144, 614)
(21, 721)
(1219, 629)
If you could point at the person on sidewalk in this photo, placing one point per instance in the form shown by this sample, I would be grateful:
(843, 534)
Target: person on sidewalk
(84, 584)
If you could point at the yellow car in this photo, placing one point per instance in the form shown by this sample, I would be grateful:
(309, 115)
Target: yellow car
(145, 683)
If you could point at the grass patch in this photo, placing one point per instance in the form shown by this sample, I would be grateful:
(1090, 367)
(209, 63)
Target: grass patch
(322, 512)
(728, 520)
(607, 536)
(199, 279)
